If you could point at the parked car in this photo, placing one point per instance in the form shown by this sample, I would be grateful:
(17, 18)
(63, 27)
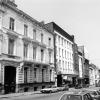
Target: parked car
(95, 93)
(79, 95)
(50, 89)
(64, 88)
(78, 86)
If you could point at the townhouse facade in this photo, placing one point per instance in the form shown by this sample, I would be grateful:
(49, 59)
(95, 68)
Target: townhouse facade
(76, 64)
(80, 80)
(64, 62)
(94, 75)
(83, 66)
(26, 51)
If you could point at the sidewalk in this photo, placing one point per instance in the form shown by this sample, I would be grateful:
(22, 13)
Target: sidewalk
(18, 94)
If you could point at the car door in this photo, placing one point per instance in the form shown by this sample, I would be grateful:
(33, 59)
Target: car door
(87, 97)
(64, 97)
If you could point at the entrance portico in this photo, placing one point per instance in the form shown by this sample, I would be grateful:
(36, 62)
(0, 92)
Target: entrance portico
(8, 75)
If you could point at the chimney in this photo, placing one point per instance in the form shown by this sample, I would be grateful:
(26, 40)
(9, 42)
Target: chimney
(42, 22)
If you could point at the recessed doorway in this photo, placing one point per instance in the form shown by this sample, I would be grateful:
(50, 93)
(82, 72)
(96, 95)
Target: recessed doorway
(9, 79)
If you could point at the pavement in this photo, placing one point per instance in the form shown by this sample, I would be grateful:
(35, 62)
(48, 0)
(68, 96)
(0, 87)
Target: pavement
(28, 93)
(18, 94)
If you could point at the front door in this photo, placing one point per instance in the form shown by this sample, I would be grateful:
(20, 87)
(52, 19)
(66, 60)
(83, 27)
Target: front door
(10, 79)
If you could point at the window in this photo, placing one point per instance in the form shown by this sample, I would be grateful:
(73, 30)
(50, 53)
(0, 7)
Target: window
(65, 53)
(34, 52)
(68, 66)
(49, 42)
(59, 39)
(50, 75)
(41, 38)
(11, 46)
(62, 41)
(63, 65)
(34, 34)
(62, 53)
(35, 69)
(59, 52)
(67, 44)
(86, 97)
(71, 97)
(25, 50)
(60, 63)
(25, 29)
(43, 73)
(25, 75)
(11, 26)
(49, 57)
(42, 55)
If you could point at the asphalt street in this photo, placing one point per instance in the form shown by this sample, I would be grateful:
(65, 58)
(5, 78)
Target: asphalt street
(40, 96)
(50, 96)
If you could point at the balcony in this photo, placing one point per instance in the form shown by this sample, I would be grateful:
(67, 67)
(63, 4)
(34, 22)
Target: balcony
(29, 40)
(35, 42)
(8, 57)
(42, 45)
(26, 39)
(50, 48)
(34, 61)
(11, 33)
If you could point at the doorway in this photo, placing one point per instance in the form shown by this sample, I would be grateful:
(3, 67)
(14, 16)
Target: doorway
(9, 79)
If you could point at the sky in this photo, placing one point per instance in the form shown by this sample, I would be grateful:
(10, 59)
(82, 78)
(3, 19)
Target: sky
(80, 18)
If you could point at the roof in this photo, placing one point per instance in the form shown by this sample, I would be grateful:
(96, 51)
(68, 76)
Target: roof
(77, 92)
(53, 26)
(23, 14)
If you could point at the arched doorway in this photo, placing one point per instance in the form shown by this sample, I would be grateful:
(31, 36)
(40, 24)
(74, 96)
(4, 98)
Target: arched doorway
(9, 79)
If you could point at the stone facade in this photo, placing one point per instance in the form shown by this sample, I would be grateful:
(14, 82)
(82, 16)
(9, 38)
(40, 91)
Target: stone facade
(26, 48)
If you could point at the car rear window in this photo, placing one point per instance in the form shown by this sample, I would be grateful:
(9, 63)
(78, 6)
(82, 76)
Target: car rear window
(71, 97)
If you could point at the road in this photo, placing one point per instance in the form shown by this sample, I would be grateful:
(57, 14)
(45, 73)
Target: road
(52, 96)
(40, 96)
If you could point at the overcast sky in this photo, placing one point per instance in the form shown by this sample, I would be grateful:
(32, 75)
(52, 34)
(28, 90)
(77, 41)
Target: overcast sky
(78, 17)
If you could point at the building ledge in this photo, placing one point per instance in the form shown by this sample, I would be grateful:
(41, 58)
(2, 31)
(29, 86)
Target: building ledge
(35, 62)
(8, 57)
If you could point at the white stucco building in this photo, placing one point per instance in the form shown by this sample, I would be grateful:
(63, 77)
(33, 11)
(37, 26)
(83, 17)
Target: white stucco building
(26, 51)
(63, 52)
